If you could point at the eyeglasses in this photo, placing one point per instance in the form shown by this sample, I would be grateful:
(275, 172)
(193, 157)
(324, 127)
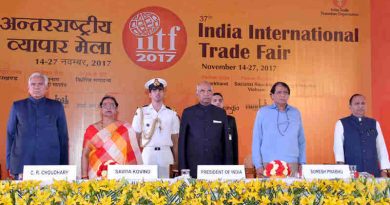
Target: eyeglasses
(108, 106)
(282, 93)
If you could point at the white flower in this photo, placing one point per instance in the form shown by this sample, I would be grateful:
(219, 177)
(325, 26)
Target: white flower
(274, 168)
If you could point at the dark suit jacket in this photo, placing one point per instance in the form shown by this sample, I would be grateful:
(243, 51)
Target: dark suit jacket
(203, 138)
(233, 136)
(37, 134)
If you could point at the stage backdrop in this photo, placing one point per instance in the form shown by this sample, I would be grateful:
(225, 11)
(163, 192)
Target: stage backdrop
(93, 48)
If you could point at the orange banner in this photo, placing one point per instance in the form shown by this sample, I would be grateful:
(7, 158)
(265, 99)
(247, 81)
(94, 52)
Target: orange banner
(89, 49)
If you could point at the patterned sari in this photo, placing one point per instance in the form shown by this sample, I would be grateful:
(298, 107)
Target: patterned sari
(115, 143)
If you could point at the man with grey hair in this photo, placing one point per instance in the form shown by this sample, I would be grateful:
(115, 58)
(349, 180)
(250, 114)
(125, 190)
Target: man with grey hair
(203, 136)
(37, 133)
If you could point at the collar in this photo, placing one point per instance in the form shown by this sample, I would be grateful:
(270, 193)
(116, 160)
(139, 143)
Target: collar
(163, 107)
(205, 106)
(357, 119)
(37, 100)
(273, 106)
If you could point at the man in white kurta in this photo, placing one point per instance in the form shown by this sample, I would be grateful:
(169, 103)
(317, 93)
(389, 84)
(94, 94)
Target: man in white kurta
(157, 128)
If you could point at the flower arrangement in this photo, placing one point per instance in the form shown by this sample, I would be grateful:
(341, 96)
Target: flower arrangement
(197, 192)
(276, 169)
(102, 172)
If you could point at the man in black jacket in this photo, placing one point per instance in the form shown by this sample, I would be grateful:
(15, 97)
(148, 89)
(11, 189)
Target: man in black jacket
(203, 136)
(217, 100)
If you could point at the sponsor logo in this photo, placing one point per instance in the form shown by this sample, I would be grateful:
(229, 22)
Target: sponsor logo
(230, 109)
(256, 106)
(339, 8)
(339, 3)
(63, 99)
(154, 38)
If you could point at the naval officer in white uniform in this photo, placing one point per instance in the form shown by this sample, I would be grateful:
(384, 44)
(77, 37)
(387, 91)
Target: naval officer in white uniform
(157, 128)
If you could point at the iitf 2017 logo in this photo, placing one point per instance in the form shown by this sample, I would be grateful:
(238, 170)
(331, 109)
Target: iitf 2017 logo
(154, 38)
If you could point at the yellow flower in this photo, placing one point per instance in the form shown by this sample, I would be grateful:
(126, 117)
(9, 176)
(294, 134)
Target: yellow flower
(360, 186)
(5, 199)
(28, 185)
(225, 187)
(156, 199)
(331, 201)
(106, 200)
(283, 198)
(122, 199)
(70, 200)
(240, 187)
(214, 185)
(60, 186)
(174, 188)
(200, 192)
(383, 201)
(219, 202)
(382, 186)
(254, 185)
(234, 200)
(363, 200)
(85, 187)
(264, 200)
(57, 198)
(19, 201)
(6, 187)
(307, 200)
(349, 188)
(370, 187)
(337, 185)
(41, 196)
(251, 195)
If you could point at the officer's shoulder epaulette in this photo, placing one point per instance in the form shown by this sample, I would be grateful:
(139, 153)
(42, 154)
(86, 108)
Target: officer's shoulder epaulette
(139, 108)
(170, 108)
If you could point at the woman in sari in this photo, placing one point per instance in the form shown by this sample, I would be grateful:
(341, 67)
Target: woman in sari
(107, 142)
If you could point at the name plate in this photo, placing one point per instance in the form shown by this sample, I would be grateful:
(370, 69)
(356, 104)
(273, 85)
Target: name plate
(314, 171)
(49, 172)
(138, 172)
(224, 172)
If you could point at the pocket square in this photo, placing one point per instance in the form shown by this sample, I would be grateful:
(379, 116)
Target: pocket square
(217, 121)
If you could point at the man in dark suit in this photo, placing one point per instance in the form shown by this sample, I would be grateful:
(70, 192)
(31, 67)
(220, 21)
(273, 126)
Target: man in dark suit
(217, 100)
(37, 133)
(358, 140)
(203, 136)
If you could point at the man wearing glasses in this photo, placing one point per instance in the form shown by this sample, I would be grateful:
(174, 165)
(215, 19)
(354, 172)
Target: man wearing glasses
(278, 133)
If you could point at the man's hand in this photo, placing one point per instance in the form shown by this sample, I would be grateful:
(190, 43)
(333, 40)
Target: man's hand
(11, 176)
(299, 171)
(384, 173)
(259, 172)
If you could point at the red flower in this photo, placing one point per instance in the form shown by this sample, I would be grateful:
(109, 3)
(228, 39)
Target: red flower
(356, 174)
(277, 168)
(102, 171)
